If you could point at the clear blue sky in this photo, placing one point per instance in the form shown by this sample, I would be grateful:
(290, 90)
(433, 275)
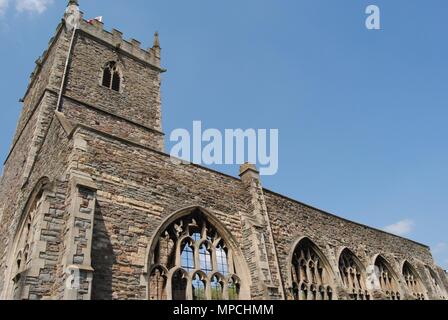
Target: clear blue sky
(362, 114)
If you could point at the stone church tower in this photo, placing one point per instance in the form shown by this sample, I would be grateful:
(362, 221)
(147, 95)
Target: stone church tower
(92, 208)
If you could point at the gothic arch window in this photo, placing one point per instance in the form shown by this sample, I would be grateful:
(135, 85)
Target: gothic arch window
(204, 265)
(436, 284)
(205, 257)
(413, 282)
(387, 280)
(111, 76)
(310, 273)
(233, 288)
(187, 255)
(25, 244)
(179, 284)
(158, 284)
(352, 274)
(199, 284)
(217, 287)
(221, 259)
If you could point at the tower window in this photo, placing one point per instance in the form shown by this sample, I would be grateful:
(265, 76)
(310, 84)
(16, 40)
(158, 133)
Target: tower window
(111, 77)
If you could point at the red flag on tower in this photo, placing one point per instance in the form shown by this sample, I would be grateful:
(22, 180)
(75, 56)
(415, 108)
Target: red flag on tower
(100, 19)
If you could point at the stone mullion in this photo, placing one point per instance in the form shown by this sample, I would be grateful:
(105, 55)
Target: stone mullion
(214, 259)
(208, 289)
(309, 275)
(189, 289)
(177, 262)
(230, 262)
(310, 293)
(316, 276)
(197, 259)
(168, 287)
(225, 289)
(351, 279)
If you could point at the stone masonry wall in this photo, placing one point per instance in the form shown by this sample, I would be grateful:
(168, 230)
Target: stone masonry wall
(47, 75)
(138, 189)
(32, 130)
(292, 220)
(43, 280)
(139, 96)
(119, 127)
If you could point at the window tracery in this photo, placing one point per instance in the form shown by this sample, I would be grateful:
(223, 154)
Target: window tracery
(310, 275)
(436, 284)
(387, 280)
(413, 282)
(25, 245)
(111, 76)
(203, 265)
(352, 276)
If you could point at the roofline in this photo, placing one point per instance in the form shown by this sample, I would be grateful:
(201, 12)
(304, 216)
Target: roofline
(82, 126)
(344, 219)
(264, 189)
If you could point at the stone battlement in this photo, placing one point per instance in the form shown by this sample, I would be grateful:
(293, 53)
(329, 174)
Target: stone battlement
(115, 38)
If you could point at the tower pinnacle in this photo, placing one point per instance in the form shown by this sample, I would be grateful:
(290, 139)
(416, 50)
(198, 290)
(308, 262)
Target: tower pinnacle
(72, 14)
(73, 2)
(156, 40)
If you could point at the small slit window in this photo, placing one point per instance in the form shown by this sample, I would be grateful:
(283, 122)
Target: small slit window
(111, 77)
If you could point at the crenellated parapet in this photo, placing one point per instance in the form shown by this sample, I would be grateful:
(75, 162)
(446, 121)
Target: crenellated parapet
(115, 39)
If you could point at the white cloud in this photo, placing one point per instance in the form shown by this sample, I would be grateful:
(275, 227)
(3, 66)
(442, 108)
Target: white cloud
(3, 6)
(38, 6)
(401, 228)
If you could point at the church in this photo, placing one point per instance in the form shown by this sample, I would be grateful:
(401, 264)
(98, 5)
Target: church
(93, 208)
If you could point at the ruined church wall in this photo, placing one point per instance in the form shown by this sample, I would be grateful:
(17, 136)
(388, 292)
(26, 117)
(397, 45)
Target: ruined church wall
(138, 189)
(292, 221)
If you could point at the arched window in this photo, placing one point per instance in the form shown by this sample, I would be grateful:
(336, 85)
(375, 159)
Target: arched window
(352, 274)
(303, 292)
(199, 254)
(217, 288)
(221, 259)
(111, 76)
(187, 255)
(25, 246)
(199, 284)
(310, 273)
(233, 288)
(436, 284)
(205, 258)
(179, 284)
(387, 279)
(413, 281)
(157, 285)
